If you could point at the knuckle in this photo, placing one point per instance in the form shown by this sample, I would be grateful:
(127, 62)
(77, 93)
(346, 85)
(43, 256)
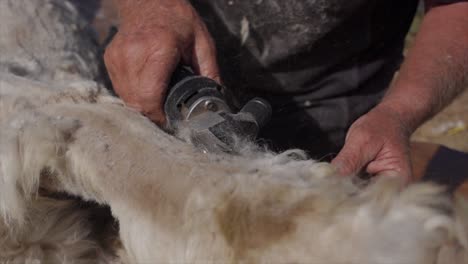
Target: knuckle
(146, 44)
(155, 47)
(138, 51)
(110, 53)
(166, 50)
(120, 50)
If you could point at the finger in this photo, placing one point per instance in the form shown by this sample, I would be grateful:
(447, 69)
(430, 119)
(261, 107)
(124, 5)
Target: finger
(399, 166)
(354, 156)
(393, 174)
(347, 162)
(153, 79)
(204, 56)
(113, 58)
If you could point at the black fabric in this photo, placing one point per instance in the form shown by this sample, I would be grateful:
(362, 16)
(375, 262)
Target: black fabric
(448, 167)
(297, 43)
(320, 126)
(321, 63)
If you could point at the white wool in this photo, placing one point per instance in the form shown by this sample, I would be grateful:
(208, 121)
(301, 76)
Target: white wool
(45, 40)
(60, 132)
(54, 232)
(175, 204)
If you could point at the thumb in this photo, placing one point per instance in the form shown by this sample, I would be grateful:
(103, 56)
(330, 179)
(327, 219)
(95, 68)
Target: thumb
(153, 81)
(352, 158)
(347, 163)
(400, 168)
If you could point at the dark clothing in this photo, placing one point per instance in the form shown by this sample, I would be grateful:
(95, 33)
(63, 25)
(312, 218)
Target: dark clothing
(448, 167)
(299, 42)
(321, 63)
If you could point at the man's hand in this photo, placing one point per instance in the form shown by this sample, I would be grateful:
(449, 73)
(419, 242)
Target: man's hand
(377, 143)
(433, 73)
(153, 38)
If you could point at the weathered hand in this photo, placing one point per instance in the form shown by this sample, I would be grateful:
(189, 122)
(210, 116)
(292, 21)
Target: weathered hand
(378, 143)
(152, 39)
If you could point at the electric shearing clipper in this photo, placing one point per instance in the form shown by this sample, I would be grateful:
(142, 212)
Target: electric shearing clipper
(206, 108)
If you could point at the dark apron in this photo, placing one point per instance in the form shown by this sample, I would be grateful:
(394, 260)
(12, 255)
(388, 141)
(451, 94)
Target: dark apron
(321, 63)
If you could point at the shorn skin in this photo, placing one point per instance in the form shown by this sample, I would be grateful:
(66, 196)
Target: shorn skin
(61, 132)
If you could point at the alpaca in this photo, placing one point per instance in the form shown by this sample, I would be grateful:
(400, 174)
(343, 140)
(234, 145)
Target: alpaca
(65, 140)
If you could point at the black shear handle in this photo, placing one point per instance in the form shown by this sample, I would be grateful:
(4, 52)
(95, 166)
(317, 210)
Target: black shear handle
(179, 74)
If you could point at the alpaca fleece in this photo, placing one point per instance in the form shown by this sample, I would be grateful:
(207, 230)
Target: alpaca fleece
(62, 132)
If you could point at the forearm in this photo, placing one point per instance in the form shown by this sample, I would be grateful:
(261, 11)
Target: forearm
(147, 13)
(436, 68)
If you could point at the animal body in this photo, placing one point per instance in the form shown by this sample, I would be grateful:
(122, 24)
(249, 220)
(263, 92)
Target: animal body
(65, 140)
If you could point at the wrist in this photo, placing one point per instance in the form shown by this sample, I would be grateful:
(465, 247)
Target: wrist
(411, 112)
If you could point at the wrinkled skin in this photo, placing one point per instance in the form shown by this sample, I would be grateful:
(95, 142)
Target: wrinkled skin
(152, 40)
(377, 143)
(156, 35)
